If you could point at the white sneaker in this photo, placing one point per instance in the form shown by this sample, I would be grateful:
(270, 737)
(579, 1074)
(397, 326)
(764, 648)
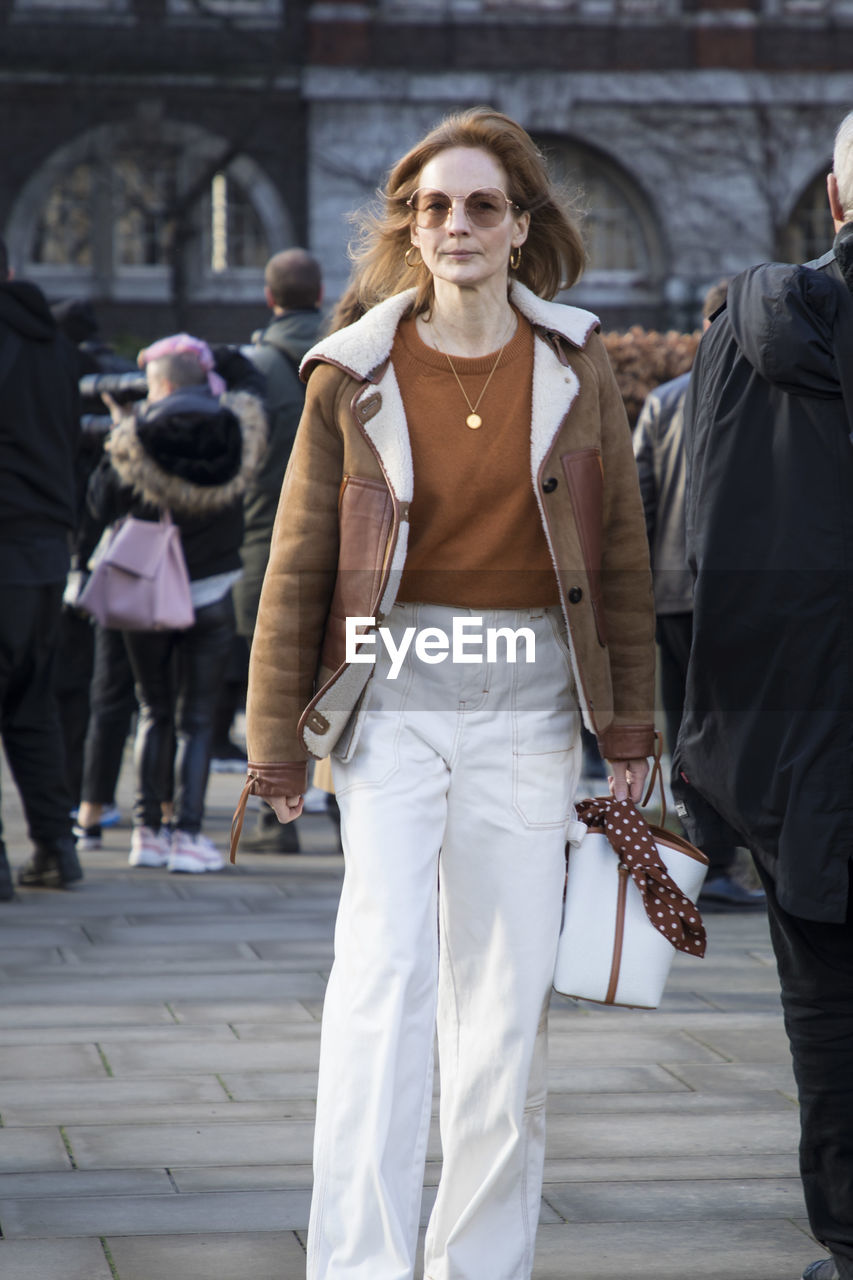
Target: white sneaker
(194, 853)
(149, 848)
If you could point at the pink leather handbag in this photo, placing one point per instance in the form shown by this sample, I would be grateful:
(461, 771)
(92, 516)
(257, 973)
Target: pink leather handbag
(140, 582)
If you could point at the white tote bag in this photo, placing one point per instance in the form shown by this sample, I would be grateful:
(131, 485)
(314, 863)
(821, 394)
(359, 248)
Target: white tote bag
(629, 905)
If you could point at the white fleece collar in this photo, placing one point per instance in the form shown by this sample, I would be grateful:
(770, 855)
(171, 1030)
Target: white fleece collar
(362, 347)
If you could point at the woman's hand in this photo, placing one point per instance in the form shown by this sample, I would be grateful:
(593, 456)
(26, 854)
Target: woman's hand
(628, 779)
(286, 807)
(118, 412)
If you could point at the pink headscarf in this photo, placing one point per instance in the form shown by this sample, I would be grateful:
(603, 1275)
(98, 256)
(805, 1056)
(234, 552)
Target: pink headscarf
(179, 344)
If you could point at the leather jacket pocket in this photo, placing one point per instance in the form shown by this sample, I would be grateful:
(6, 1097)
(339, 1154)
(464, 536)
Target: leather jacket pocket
(365, 519)
(585, 481)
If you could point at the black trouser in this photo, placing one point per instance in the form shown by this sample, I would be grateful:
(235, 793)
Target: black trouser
(674, 633)
(29, 719)
(75, 655)
(815, 962)
(178, 676)
(112, 703)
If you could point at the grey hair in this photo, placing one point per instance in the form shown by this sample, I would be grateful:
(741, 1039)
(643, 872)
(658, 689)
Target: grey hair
(842, 164)
(181, 369)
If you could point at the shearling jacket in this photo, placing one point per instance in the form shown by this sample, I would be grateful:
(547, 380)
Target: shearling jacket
(339, 544)
(194, 454)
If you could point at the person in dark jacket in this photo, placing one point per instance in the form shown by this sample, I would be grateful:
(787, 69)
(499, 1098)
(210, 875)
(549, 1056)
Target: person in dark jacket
(659, 451)
(190, 449)
(293, 291)
(767, 736)
(39, 432)
(94, 683)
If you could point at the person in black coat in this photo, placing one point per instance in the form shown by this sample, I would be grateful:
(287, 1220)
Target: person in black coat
(191, 448)
(39, 432)
(766, 742)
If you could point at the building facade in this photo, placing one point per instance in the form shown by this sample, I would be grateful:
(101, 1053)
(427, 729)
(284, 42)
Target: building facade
(157, 151)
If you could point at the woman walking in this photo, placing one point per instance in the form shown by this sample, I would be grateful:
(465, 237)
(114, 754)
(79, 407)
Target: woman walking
(189, 449)
(463, 473)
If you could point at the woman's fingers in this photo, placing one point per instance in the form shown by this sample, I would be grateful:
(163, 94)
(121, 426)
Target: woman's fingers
(286, 808)
(628, 779)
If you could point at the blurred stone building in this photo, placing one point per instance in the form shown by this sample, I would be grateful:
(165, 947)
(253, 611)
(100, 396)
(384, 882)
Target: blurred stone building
(153, 153)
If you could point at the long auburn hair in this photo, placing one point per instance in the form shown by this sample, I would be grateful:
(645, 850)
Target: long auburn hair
(552, 256)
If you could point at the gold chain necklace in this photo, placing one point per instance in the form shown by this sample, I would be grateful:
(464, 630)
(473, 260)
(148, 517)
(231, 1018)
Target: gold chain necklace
(474, 421)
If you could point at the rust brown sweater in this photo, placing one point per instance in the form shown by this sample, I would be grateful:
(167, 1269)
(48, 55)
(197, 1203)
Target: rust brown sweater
(476, 537)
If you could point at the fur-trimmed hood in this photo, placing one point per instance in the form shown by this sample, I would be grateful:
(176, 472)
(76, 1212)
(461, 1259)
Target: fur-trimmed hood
(363, 347)
(189, 455)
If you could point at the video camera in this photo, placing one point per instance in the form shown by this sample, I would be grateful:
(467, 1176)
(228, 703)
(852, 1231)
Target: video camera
(123, 387)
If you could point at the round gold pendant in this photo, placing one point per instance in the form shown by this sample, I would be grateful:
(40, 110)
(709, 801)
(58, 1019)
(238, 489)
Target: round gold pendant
(474, 421)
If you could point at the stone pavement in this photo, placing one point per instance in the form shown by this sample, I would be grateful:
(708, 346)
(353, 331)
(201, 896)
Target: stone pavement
(158, 1050)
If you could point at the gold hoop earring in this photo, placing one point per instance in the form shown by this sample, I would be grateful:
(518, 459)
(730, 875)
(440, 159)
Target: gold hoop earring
(412, 248)
(515, 258)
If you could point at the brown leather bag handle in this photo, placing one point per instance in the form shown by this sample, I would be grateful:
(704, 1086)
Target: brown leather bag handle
(656, 776)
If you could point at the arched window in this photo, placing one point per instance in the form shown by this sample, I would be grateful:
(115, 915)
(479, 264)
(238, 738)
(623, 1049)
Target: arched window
(810, 230)
(625, 255)
(107, 216)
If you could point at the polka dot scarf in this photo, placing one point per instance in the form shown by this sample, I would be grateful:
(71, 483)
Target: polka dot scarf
(668, 909)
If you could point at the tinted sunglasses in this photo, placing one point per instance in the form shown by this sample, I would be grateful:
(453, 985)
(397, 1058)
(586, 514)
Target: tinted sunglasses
(485, 207)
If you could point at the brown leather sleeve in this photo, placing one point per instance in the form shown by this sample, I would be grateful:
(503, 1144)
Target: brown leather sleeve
(626, 580)
(300, 577)
(270, 781)
(278, 779)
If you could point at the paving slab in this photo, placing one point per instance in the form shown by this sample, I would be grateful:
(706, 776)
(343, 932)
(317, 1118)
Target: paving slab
(256, 1011)
(225, 928)
(227, 1111)
(47, 1014)
(672, 1105)
(98, 1033)
(737, 1077)
(105, 1215)
(77, 1182)
(59, 1095)
(16, 931)
(247, 1086)
(162, 1145)
(642, 1046)
(767, 1044)
(290, 1050)
(272, 1256)
(62, 1061)
(31, 1150)
(743, 1166)
(729, 1199)
(259, 1177)
(723, 1250)
(56, 1260)
(171, 986)
(650, 1133)
(643, 1078)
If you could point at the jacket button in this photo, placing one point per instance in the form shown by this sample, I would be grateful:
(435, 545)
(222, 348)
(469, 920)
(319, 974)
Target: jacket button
(575, 595)
(549, 485)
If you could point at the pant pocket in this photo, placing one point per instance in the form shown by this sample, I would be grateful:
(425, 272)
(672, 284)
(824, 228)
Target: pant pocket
(543, 789)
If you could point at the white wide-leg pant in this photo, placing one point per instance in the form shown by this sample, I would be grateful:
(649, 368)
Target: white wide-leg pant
(455, 807)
